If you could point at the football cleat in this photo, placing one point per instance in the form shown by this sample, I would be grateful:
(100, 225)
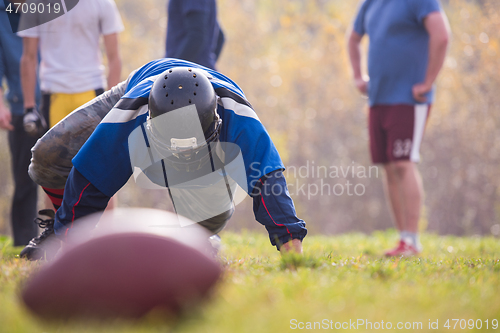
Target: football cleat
(403, 249)
(35, 250)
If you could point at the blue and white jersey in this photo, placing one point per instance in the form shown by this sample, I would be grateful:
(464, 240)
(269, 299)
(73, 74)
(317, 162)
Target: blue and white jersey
(104, 159)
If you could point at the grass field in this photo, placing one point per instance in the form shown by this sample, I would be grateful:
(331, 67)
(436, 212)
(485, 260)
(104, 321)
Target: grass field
(340, 279)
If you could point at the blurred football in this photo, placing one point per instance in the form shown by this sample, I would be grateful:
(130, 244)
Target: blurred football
(125, 274)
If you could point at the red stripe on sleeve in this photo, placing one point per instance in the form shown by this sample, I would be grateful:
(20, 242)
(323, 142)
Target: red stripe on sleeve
(280, 225)
(76, 204)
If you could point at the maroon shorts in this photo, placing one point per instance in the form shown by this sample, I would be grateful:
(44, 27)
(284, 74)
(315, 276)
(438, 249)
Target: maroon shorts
(396, 131)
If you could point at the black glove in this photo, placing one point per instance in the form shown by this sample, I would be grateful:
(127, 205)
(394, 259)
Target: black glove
(34, 123)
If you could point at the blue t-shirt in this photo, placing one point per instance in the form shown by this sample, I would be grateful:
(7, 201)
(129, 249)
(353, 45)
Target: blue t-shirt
(399, 47)
(179, 27)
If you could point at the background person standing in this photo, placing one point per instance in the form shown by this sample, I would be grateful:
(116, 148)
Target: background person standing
(408, 43)
(193, 32)
(24, 200)
(71, 69)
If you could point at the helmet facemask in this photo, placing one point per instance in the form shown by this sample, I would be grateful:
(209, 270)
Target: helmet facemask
(189, 152)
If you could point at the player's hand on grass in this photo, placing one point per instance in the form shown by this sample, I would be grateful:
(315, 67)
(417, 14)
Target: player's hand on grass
(5, 118)
(419, 90)
(293, 246)
(362, 85)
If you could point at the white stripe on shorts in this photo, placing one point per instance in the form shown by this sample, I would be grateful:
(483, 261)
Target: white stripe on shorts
(420, 115)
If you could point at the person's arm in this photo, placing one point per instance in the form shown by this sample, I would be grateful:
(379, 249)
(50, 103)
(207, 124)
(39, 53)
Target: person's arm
(114, 59)
(437, 26)
(81, 198)
(5, 116)
(197, 35)
(355, 59)
(273, 207)
(29, 62)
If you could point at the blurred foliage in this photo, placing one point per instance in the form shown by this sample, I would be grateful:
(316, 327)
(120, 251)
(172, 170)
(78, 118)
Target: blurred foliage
(290, 58)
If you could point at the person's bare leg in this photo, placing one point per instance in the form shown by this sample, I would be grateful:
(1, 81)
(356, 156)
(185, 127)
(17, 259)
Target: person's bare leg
(392, 186)
(404, 192)
(412, 192)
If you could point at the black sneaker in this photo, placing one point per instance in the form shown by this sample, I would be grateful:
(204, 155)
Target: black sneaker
(35, 250)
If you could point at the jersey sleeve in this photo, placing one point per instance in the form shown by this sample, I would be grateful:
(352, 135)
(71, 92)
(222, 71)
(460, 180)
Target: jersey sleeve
(422, 8)
(111, 21)
(81, 198)
(273, 207)
(359, 21)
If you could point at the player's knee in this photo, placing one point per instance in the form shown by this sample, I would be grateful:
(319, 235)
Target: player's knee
(401, 168)
(390, 173)
(50, 164)
(217, 223)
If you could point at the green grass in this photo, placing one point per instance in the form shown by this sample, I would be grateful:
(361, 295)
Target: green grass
(339, 278)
